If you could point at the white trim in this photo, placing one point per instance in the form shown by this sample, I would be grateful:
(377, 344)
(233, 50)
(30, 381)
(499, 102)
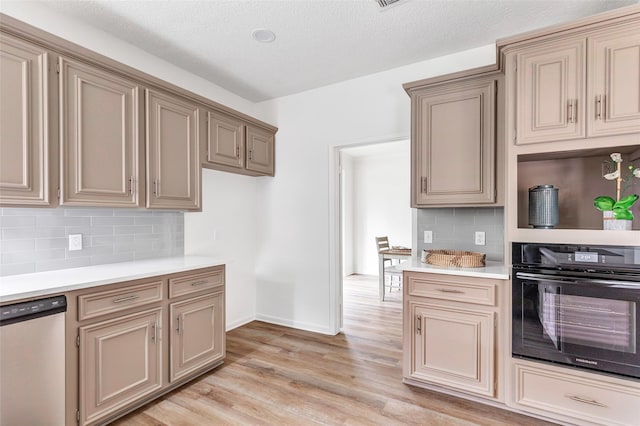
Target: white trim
(335, 241)
(316, 328)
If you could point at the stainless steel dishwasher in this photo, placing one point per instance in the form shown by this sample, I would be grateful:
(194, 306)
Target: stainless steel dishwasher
(32, 373)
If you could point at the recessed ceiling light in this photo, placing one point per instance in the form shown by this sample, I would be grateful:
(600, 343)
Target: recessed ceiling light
(263, 35)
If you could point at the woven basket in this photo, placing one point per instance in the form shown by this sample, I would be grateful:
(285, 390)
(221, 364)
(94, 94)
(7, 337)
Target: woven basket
(459, 258)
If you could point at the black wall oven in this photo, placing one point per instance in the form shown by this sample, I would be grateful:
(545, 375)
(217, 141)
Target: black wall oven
(577, 305)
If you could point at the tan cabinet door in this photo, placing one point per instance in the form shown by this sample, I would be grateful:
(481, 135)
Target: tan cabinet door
(453, 347)
(197, 334)
(260, 150)
(173, 169)
(100, 147)
(24, 132)
(551, 93)
(454, 145)
(120, 362)
(614, 82)
(225, 140)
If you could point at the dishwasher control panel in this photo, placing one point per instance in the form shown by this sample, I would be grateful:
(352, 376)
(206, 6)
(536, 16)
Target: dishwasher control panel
(24, 311)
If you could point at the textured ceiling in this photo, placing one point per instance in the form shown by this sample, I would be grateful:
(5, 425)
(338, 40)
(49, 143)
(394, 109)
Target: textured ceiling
(318, 41)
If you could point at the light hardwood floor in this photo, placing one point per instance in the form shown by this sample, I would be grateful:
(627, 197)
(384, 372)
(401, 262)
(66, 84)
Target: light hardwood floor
(281, 376)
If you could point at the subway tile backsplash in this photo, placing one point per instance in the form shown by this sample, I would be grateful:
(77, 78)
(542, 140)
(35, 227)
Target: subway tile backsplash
(454, 229)
(35, 240)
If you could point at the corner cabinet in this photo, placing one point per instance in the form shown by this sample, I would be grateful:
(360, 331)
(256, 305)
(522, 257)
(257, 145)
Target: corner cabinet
(25, 146)
(173, 160)
(454, 142)
(100, 137)
(130, 342)
(238, 146)
(451, 332)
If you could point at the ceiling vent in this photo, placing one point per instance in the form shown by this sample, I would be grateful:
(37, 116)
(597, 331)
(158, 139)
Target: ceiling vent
(386, 3)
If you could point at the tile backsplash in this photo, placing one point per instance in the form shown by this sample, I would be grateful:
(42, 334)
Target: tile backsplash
(34, 240)
(454, 228)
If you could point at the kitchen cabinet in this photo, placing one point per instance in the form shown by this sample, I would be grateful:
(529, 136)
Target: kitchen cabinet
(25, 144)
(173, 165)
(225, 143)
(238, 146)
(575, 397)
(453, 142)
(260, 150)
(197, 338)
(130, 342)
(450, 332)
(120, 362)
(100, 143)
(561, 95)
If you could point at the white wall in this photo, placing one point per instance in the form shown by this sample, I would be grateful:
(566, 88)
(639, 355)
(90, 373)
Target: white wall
(381, 189)
(228, 200)
(293, 269)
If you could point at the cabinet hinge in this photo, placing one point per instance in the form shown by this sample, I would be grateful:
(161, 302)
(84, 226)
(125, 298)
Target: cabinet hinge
(78, 340)
(58, 67)
(78, 416)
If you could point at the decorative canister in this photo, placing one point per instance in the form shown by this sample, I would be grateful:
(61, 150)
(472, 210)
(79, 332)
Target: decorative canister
(543, 206)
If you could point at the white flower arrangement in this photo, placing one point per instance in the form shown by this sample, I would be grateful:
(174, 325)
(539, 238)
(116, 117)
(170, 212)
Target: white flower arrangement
(621, 207)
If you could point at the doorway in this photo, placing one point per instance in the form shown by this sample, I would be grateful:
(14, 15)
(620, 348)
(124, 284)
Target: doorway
(373, 199)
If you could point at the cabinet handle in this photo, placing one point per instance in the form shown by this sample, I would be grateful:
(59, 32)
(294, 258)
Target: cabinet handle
(179, 330)
(250, 154)
(126, 299)
(131, 185)
(586, 400)
(572, 118)
(155, 187)
(449, 290)
(423, 185)
(237, 151)
(418, 324)
(599, 107)
(197, 283)
(155, 332)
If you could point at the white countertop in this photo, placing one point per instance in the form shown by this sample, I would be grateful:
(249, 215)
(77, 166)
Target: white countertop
(42, 284)
(492, 269)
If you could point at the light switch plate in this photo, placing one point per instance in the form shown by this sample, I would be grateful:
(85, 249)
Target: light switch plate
(428, 237)
(480, 240)
(75, 242)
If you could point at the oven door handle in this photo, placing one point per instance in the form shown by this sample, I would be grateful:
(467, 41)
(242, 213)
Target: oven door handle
(590, 281)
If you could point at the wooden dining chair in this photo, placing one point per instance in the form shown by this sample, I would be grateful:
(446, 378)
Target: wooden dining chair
(382, 244)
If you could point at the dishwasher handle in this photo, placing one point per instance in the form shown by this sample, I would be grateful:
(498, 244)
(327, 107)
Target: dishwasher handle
(25, 311)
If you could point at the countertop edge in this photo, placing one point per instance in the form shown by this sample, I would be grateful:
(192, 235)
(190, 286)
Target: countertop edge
(494, 270)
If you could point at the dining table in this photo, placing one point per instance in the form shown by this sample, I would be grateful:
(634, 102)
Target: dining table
(391, 253)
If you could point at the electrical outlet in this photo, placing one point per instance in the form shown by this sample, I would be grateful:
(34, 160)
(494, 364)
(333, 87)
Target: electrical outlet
(428, 237)
(75, 242)
(480, 238)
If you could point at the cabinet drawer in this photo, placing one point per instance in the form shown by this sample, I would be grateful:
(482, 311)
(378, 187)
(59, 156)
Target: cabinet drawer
(581, 398)
(459, 289)
(107, 302)
(195, 282)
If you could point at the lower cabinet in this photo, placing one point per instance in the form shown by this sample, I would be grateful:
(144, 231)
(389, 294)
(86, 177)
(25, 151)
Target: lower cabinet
(450, 332)
(575, 397)
(196, 337)
(130, 342)
(453, 347)
(120, 362)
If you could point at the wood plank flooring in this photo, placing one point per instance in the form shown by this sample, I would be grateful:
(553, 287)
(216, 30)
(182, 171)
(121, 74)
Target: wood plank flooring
(276, 375)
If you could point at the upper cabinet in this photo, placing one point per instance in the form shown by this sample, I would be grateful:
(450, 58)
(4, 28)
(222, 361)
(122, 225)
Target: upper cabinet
(100, 147)
(173, 170)
(238, 146)
(24, 124)
(453, 143)
(561, 95)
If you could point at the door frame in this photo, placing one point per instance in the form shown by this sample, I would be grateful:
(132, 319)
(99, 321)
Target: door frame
(335, 224)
